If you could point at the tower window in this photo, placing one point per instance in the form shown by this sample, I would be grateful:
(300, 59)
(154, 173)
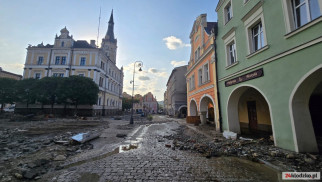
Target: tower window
(62, 44)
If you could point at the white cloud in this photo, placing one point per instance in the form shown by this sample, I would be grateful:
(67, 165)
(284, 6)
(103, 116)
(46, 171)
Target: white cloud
(178, 63)
(174, 43)
(143, 78)
(153, 70)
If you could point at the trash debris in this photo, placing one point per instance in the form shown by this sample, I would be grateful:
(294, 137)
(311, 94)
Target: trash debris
(84, 137)
(247, 139)
(230, 135)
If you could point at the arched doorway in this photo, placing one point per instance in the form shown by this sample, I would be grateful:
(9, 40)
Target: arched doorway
(182, 111)
(305, 110)
(249, 112)
(207, 111)
(193, 108)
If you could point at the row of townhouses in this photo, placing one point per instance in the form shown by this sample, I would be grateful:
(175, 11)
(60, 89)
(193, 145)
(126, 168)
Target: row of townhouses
(67, 57)
(259, 70)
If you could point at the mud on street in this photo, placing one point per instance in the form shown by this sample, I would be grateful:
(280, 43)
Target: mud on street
(161, 150)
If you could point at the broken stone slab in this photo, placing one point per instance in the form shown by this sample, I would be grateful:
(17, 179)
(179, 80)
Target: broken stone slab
(60, 158)
(84, 137)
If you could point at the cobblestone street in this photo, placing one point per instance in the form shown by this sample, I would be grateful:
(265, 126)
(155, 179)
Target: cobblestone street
(152, 161)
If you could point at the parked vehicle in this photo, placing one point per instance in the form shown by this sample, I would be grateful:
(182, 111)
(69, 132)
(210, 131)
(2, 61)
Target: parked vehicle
(9, 109)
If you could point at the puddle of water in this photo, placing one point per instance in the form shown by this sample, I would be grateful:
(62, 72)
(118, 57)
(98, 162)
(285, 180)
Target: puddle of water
(130, 145)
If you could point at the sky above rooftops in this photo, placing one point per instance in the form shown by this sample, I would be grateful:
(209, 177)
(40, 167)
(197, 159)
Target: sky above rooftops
(155, 32)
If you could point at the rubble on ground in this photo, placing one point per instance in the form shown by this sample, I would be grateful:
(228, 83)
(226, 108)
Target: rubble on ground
(257, 150)
(29, 149)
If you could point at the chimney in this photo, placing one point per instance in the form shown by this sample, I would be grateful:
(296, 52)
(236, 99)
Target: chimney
(93, 43)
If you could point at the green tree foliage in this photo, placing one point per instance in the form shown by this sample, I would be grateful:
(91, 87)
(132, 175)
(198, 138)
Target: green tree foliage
(47, 90)
(127, 103)
(78, 90)
(73, 90)
(26, 91)
(7, 91)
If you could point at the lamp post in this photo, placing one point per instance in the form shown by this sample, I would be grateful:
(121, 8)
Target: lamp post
(132, 82)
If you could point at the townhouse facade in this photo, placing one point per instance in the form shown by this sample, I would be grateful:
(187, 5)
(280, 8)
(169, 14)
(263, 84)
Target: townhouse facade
(269, 64)
(67, 57)
(177, 92)
(6, 74)
(201, 86)
(150, 103)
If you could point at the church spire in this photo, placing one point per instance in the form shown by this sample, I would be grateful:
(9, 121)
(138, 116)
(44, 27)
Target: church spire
(111, 18)
(110, 30)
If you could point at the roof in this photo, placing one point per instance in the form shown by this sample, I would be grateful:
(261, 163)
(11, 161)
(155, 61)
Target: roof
(174, 69)
(82, 44)
(210, 26)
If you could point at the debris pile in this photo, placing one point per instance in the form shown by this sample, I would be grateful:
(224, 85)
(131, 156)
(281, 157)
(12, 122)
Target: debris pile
(257, 150)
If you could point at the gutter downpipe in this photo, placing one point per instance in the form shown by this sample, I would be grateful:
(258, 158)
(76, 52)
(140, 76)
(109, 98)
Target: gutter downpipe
(218, 94)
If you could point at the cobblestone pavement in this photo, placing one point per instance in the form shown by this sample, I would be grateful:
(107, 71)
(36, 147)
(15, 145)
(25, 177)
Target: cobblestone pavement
(152, 161)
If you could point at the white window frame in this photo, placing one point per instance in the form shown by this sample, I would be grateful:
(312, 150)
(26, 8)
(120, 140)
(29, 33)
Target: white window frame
(249, 23)
(290, 20)
(228, 3)
(200, 76)
(63, 60)
(308, 12)
(206, 73)
(40, 60)
(57, 60)
(80, 62)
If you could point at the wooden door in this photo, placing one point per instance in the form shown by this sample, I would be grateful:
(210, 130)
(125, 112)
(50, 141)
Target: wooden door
(252, 115)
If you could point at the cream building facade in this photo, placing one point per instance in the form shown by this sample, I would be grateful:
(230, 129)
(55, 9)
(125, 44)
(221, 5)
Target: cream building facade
(69, 57)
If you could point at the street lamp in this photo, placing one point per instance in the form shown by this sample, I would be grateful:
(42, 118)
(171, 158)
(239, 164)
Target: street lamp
(132, 82)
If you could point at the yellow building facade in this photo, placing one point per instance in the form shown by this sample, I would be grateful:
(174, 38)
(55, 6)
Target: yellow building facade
(68, 57)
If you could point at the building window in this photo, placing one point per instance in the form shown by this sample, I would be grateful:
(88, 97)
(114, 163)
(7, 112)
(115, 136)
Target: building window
(99, 101)
(200, 76)
(258, 37)
(37, 76)
(58, 74)
(228, 12)
(206, 72)
(231, 53)
(40, 60)
(83, 61)
(305, 11)
(102, 65)
(63, 60)
(197, 54)
(193, 81)
(101, 82)
(63, 44)
(81, 74)
(57, 60)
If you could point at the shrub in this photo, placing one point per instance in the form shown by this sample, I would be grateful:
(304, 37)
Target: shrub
(150, 117)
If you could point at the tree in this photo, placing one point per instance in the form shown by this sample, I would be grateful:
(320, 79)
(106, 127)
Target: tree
(47, 90)
(78, 90)
(127, 103)
(26, 91)
(7, 91)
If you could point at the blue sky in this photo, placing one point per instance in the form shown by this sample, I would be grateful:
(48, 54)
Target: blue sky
(153, 31)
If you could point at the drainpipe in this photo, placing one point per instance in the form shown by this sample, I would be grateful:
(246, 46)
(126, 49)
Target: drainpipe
(51, 50)
(218, 94)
